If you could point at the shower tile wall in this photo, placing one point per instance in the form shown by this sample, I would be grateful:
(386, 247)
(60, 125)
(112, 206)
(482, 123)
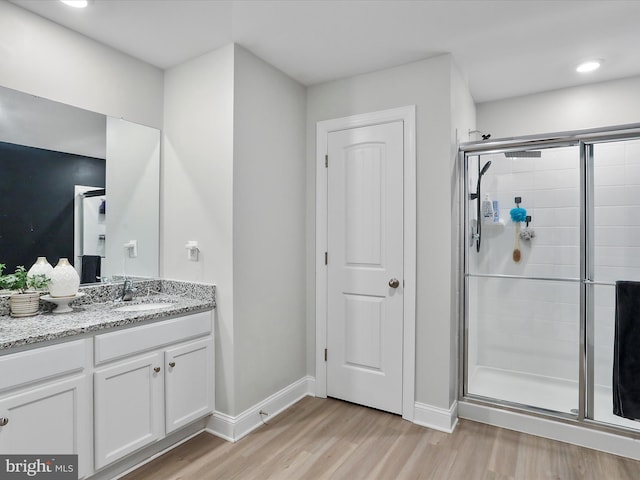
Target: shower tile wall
(532, 326)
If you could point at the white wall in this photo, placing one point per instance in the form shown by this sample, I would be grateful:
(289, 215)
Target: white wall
(588, 106)
(197, 191)
(40, 57)
(268, 229)
(234, 181)
(428, 85)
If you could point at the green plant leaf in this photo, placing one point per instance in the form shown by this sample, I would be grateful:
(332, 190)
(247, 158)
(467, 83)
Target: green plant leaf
(20, 280)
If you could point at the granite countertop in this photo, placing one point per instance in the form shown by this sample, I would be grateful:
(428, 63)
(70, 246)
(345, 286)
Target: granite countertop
(96, 311)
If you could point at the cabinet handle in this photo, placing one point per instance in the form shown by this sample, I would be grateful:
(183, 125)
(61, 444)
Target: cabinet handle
(172, 364)
(157, 369)
(3, 421)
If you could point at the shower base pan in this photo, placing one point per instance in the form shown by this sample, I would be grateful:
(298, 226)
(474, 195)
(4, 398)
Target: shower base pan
(554, 394)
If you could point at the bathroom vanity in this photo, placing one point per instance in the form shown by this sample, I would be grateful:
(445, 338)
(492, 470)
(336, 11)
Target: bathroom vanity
(105, 383)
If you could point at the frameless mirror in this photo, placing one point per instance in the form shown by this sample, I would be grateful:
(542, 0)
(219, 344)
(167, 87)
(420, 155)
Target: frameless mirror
(79, 185)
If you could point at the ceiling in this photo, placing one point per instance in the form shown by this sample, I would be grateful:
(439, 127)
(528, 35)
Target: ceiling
(504, 48)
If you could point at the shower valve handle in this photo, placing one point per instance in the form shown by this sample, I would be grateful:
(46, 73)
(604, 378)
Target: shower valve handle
(394, 283)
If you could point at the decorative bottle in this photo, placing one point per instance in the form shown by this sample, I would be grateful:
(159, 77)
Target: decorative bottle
(64, 280)
(41, 267)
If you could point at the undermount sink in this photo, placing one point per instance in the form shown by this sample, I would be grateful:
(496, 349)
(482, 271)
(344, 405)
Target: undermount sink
(141, 307)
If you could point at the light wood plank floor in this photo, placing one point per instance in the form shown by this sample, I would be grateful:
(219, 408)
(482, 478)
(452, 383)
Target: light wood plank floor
(326, 438)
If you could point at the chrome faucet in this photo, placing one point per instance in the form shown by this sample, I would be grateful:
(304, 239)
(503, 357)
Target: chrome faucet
(127, 290)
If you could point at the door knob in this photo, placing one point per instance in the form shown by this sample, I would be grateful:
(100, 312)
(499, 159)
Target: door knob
(3, 421)
(156, 369)
(394, 283)
(172, 364)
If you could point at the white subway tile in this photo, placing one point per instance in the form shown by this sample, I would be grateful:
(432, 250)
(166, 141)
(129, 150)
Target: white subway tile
(561, 197)
(609, 195)
(609, 154)
(557, 159)
(610, 216)
(627, 257)
(632, 152)
(632, 174)
(604, 273)
(523, 165)
(609, 175)
(632, 195)
(609, 236)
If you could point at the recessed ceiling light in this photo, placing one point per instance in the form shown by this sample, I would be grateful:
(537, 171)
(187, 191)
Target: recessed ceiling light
(589, 66)
(76, 3)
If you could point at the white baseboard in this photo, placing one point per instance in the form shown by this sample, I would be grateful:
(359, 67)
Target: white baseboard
(234, 428)
(437, 418)
(543, 427)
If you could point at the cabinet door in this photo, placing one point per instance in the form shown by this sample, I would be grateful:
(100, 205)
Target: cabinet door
(49, 419)
(128, 405)
(188, 383)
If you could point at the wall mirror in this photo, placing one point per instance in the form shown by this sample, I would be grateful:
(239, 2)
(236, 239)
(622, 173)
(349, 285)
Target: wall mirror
(79, 185)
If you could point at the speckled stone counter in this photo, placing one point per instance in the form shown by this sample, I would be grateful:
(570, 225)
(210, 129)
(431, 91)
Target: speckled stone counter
(95, 311)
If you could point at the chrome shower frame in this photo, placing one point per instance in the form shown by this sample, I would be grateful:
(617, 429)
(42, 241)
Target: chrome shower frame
(585, 141)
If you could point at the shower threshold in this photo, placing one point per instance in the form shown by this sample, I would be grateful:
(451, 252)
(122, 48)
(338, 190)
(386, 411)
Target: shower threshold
(548, 393)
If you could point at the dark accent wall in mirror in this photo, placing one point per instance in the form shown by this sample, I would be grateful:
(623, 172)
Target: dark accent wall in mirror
(36, 202)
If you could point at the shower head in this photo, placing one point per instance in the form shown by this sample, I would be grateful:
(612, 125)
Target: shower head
(476, 196)
(485, 168)
(524, 154)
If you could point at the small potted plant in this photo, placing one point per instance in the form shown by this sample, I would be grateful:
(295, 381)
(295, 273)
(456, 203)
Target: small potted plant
(26, 301)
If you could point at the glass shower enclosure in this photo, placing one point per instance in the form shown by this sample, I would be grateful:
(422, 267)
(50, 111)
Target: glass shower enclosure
(555, 225)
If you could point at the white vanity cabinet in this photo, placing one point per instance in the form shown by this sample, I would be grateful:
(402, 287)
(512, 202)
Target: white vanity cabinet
(156, 379)
(128, 407)
(188, 383)
(45, 402)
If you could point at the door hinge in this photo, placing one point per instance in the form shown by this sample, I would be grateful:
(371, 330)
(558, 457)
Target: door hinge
(325, 354)
(326, 258)
(326, 161)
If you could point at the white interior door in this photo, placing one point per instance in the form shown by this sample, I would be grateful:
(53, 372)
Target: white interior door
(365, 266)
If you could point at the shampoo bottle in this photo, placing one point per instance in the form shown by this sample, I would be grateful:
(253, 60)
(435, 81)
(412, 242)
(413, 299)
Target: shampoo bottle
(486, 210)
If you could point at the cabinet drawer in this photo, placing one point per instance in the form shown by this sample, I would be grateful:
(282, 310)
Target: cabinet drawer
(42, 363)
(111, 346)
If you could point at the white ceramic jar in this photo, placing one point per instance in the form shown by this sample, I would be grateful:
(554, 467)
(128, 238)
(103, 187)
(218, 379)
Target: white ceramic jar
(64, 280)
(41, 267)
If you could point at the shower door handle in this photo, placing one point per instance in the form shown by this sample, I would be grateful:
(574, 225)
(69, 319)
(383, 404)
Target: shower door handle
(394, 283)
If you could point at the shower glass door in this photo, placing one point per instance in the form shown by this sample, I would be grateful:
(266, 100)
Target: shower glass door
(523, 312)
(615, 255)
(539, 302)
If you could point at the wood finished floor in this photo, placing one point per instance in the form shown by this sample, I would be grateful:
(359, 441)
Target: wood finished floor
(329, 439)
